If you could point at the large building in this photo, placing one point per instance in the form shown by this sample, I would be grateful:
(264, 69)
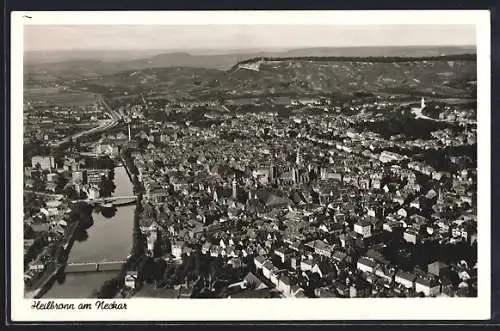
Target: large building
(45, 162)
(95, 176)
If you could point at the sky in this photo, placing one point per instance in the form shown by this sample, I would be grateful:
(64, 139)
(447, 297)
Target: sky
(223, 37)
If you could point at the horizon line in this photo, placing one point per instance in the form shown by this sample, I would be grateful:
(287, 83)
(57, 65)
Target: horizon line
(186, 50)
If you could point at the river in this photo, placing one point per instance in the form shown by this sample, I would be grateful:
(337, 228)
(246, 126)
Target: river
(109, 239)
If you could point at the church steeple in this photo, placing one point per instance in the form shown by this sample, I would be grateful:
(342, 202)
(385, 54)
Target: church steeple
(440, 198)
(235, 189)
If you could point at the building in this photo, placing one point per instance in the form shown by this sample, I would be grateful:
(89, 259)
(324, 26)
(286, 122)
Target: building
(366, 265)
(45, 162)
(339, 257)
(282, 253)
(386, 273)
(284, 285)
(52, 177)
(79, 177)
(131, 279)
(151, 239)
(320, 248)
(95, 176)
(360, 290)
(430, 287)
(267, 268)
(93, 192)
(411, 236)
(306, 265)
(206, 247)
(438, 268)
(177, 247)
(259, 261)
(405, 278)
(363, 228)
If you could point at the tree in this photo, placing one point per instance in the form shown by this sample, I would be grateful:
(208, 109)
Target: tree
(158, 249)
(106, 187)
(32, 204)
(70, 192)
(109, 289)
(145, 269)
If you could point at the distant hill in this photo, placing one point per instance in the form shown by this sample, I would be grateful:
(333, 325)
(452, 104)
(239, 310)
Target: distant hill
(114, 61)
(448, 71)
(255, 63)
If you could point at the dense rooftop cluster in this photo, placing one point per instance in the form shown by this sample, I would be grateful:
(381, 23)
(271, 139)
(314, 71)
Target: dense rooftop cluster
(309, 204)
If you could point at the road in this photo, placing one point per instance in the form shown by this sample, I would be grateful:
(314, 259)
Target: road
(103, 126)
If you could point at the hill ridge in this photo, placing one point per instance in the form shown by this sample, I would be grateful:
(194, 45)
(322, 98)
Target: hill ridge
(373, 59)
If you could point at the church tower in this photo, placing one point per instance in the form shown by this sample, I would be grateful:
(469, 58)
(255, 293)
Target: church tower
(440, 199)
(235, 189)
(298, 159)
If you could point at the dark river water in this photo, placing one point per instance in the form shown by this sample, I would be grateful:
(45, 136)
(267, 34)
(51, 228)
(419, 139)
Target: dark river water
(109, 239)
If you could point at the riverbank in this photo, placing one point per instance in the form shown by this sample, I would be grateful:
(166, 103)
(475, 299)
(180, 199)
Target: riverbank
(47, 278)
(128, 163)
(108, 239)
(125, 165)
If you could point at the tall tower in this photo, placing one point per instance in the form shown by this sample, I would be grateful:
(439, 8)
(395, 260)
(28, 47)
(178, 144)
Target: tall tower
(129, 135)
(298, 159)
(273, 172)
(422, 103)
(235, 191)
(440, 198)
(295, 175)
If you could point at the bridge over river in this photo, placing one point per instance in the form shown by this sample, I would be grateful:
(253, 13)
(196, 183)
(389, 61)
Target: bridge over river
(99, 253)
(116, 200)
(93, 266)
